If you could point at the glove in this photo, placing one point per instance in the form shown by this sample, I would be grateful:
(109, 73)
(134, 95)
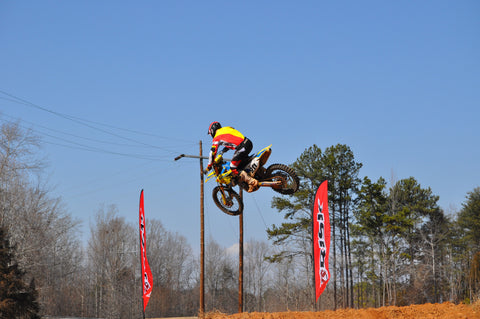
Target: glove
(209, 167)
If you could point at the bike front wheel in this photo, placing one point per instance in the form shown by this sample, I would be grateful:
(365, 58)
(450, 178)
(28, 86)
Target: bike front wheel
(227, 200)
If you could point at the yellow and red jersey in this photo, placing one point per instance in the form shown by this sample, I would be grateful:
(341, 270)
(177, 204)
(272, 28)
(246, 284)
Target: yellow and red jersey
(225, 136)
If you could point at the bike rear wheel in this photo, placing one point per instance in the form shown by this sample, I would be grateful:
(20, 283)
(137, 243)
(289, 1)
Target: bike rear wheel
(286, 175)
(231, 204)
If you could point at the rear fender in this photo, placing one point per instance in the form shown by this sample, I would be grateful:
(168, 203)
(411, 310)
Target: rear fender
(265, 154)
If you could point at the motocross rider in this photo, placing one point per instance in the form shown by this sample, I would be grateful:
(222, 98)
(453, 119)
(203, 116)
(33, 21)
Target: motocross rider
(232, 139)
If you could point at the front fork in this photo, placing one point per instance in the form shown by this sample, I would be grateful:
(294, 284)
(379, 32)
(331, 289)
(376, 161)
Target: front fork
(224, 197)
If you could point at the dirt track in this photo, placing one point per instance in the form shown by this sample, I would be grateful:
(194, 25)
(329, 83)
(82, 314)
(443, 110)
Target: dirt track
(430, 311)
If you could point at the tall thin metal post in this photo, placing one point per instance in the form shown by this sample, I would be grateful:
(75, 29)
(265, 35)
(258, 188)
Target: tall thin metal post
(202, 239)
(240, 259)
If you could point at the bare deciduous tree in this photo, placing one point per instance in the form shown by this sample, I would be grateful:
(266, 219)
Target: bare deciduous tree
(111, 256)
(173, 268)
(44, 234)
(256, 274)
(220, 279)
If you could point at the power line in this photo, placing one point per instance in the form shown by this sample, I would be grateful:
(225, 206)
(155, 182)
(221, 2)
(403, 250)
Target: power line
(113, 146)
(78, 136)
(259, 211)
(97, 150)
(125, 181)
(79, 146)
(85, 122)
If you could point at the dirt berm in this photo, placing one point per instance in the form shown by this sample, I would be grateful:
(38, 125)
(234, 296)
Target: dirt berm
(431, 311)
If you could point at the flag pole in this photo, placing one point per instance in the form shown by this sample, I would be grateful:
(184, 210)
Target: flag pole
(146, 276)
(141, 268)
(313, 255)
(321, 239)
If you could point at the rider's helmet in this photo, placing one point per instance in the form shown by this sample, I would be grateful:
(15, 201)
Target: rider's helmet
(214, 126)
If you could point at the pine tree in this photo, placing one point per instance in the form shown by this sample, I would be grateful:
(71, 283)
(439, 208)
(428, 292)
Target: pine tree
(337, 165)
(469, 226)
(469, 220)
(17, 300)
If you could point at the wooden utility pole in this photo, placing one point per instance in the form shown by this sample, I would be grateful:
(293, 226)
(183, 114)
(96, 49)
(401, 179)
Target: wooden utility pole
(202, 239)
(240, 259)
(202, 230)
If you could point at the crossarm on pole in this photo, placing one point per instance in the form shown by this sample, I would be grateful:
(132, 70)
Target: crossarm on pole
(196, 156)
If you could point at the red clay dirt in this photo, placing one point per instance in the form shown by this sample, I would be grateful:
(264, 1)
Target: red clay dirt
(445, 310)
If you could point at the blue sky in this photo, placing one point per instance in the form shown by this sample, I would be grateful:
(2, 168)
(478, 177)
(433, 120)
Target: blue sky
(398, 82)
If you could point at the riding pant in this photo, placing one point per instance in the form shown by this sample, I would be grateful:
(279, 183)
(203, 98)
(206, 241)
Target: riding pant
(241, 153)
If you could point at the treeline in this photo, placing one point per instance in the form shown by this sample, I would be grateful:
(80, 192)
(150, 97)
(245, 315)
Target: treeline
(391, 245)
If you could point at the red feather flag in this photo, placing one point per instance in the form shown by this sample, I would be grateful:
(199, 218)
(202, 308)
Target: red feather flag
(147, 281)
(321, 239)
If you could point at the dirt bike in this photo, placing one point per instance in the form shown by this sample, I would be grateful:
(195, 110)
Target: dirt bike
(279, 177)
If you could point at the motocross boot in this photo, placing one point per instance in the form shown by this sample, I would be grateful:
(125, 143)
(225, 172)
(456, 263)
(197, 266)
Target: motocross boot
(252, 182)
